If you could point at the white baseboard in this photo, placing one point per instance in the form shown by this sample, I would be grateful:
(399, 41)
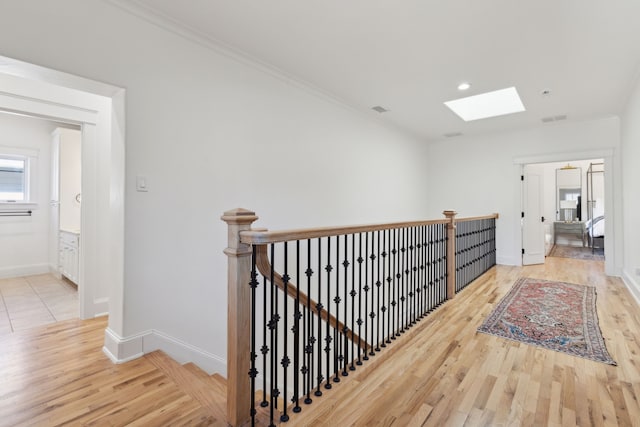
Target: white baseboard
(632, 285)
(121, 350)
(183, 352)
(101, 307)
(55, 271)
(24, 270)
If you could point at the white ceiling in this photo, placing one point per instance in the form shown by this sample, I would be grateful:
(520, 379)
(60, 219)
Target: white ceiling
(409, 55)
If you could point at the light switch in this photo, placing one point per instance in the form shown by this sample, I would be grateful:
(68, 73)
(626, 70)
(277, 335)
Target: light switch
(141, 183)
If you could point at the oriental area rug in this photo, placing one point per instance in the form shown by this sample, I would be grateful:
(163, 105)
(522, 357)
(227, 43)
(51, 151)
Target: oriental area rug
(554, 315)
(577, 253)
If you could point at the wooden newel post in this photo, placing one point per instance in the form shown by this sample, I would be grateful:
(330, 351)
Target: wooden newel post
(451, 253)
(238, 316)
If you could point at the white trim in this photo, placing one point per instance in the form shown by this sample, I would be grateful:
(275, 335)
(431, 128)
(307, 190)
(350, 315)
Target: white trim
(101, 307)
(24, 270)
(71, 114)
(121, 350)
(632, 285)
(184, 352)
(560, 157)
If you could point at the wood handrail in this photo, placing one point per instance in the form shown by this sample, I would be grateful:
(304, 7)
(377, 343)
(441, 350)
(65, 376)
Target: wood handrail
(255, 237)
(475, 218)
(264, 267)
(263, 237)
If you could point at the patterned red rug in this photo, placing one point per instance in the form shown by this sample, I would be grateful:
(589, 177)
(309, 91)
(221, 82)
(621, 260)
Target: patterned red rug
(554, 315)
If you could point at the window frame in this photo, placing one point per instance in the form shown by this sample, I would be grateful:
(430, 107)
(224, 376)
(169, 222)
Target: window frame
(30, 157)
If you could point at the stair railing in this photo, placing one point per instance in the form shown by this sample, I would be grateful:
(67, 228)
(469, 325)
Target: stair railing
(306, 307)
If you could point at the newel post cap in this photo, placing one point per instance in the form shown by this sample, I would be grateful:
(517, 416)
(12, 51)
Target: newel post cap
(449, 213)
(239, 216)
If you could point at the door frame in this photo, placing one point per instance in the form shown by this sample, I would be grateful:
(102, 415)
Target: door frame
(99, 109)
(613, 198)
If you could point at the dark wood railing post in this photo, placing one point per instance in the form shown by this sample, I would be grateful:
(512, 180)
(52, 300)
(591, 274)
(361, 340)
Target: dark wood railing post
(238, 316)
(451, 253)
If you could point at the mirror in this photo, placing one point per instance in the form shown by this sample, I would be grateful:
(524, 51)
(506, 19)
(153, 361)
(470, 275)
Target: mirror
(569, 194)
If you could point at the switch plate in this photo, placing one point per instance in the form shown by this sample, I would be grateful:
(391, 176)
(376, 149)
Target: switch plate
(141, 183)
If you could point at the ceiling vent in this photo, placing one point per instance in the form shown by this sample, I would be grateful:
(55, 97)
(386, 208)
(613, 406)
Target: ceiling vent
(554, 118)
(379, 109)
(452, 134)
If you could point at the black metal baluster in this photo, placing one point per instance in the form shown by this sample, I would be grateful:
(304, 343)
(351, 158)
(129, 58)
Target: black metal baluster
(296, 336)
(434, 265)
(403, 251)
(353, 300)
(328, 268)
(345, 329)
(285, 361)
(428, 268)
(439, 264)
(336, 339)
(462, 254)
(359, 321)
(378, 284)
(414, 275)
(366, 296)
(425, 264)
(421, 303)
(396, 282)
(459, 255)
(443, 263)
(387, 303)
(309, 328)
(407, 286)
(253, 372)
(372, 313)
(319, 307)
(265, 348)
(273, 334)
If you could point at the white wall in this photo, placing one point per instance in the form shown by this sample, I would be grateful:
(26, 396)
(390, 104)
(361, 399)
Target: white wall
(24, 241)
(212, 134)
(481, 174)
(631, 190)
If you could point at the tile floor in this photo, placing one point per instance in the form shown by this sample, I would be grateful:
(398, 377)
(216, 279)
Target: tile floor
(26, 302)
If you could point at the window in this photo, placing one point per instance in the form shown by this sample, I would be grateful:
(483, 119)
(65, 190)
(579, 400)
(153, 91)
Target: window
(18, 178)
(13, 179)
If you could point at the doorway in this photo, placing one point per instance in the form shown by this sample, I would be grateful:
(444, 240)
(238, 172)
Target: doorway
(566, 213)
(99, 110)
(32, 291)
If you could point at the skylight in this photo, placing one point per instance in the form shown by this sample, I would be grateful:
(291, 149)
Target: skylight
(485, 105)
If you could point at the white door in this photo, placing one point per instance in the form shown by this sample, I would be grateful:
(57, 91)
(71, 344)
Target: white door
(532, 222)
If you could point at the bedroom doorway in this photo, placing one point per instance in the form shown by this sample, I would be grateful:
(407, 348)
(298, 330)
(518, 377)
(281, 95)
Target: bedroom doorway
(568, 217)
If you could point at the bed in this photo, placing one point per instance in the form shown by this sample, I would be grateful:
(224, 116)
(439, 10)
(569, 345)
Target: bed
(595, 232)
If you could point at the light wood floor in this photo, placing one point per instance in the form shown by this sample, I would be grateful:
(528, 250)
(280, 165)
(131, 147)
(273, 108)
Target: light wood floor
(442, 373)
(450, 375)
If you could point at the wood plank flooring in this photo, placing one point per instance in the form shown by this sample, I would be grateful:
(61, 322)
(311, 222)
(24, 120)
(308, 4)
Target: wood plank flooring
(441, 373)
(58, 375)
(447, 374)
